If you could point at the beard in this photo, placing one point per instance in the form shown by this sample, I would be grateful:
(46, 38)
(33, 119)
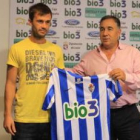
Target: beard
(36, 34)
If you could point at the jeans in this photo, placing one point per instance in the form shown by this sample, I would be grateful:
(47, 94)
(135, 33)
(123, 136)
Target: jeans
(32, 131)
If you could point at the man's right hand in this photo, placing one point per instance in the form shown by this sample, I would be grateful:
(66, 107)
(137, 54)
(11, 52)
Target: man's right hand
(9, 125)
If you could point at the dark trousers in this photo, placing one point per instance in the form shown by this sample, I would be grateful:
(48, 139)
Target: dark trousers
(32, 131)
(125, 123)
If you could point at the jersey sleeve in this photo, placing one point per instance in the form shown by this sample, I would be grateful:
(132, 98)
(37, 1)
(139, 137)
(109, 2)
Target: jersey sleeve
(49, 98)
(114, 90)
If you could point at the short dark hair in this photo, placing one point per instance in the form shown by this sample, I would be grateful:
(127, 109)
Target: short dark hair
(111, 17)
(38, 7)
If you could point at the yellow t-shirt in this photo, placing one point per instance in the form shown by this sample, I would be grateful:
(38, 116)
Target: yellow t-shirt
(34, 63)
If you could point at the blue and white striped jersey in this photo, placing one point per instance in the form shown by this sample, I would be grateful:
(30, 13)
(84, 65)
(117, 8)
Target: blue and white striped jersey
(80, 106)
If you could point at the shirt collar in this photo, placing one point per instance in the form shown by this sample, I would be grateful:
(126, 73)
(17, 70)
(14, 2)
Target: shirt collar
(120, 47)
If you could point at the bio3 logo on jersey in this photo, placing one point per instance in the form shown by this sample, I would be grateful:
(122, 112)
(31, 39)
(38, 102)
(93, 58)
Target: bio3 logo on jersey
(54, 2)
(99, 3)
(116, 3)
(72, 22)
(119, 14)
(76, 111)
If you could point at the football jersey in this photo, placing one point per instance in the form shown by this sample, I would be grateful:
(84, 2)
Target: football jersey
(80, 106)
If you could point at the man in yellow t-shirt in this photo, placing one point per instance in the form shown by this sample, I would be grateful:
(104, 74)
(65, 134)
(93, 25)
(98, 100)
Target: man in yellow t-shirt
(31, 60)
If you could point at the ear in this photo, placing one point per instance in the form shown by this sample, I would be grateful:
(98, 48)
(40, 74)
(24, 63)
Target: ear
(120, 31)
(29, 22)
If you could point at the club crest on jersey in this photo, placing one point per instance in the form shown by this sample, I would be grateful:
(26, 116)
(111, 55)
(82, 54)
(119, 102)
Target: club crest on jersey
(91, 87)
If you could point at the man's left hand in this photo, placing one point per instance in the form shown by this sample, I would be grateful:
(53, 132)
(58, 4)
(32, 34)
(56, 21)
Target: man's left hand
(117, 74)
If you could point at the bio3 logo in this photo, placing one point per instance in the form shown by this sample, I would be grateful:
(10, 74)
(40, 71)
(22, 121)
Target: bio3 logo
(72, 2)
(135, 26)
(74, 13)
(69, 35)
(118, 4)
(119, 14)
(95, 3)
(123, 36)
(25, 1)
(91, 24)
(49, 1)
(91, 46)
(75, 57)
(54, 23)
(135, 4)
(76, 111)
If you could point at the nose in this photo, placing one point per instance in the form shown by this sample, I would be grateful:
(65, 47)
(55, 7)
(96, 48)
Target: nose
(44, 25)
(105, 32)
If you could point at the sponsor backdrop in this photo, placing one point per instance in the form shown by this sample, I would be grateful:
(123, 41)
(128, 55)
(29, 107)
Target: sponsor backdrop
(75, 24)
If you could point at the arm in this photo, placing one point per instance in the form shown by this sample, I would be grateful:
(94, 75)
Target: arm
(10, 89)
(78, 69)
(130, 74)
(132, 80)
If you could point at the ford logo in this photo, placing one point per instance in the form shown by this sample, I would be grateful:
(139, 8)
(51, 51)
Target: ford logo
(51, 33)
(72, 22)
(94, 34)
